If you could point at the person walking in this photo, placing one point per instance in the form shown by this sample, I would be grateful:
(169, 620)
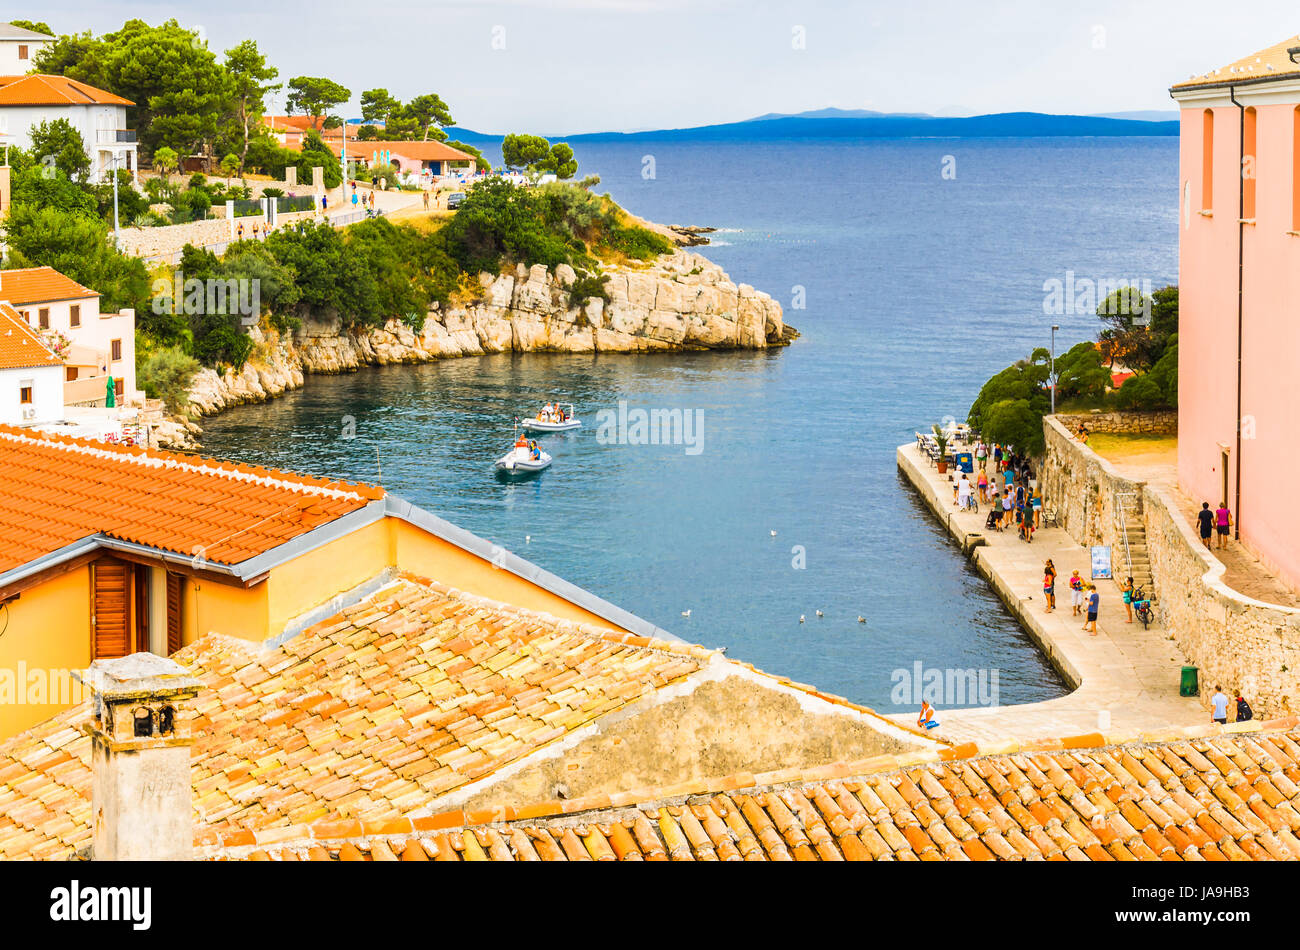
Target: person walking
(1219, 707)
(1127, 593)
(1094, 604)
(1049, 585)
(981, 454)
(1037, 504)
(1076, 594)
(1222, 522)
(963, 492)
(239, 231)
(1205, 521)
(1244, 712)
(982, 483)
(426, 199)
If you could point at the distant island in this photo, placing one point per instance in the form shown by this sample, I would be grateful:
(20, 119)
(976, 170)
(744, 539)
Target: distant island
(862, 123)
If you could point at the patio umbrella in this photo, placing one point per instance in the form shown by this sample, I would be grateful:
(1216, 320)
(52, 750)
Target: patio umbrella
(110, 399)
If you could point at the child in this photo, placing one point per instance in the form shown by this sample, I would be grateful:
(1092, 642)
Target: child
(1094, 604)
(926, 720)
(1076, 593)
(1049, 585)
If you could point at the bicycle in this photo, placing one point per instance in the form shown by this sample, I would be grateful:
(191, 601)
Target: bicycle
(1142, 606)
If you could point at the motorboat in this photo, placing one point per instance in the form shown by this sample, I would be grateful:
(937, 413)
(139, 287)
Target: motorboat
(523, 459)
(552, 421)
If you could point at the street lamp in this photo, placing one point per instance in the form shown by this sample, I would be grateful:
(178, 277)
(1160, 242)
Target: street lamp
(1053, 370)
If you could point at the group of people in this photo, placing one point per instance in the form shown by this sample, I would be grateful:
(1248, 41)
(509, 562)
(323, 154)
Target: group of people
(1218, 521)
(1084, 599)
(366, 202)
(553, 412)
(1219, 708)
(533, 449)
(259, 230)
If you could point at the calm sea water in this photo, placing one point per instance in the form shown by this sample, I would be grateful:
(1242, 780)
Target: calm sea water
(916, 289)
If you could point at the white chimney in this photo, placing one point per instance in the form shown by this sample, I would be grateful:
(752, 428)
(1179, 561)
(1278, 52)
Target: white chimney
(141, 794)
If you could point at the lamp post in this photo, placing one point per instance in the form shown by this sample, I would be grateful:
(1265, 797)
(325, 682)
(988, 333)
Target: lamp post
(117, 237)
(1053, 370)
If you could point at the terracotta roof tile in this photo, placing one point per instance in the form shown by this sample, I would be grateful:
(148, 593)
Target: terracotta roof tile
(274, 751)
(834, 819)
(20, 345)
(78, 488)
(1271, 63)
(22, 286)
(43, 90)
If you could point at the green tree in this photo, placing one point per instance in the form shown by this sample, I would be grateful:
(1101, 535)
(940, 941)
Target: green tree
(180, 90)
(58, 143)
(430, 115)
(315, 96)
(39, 186)
(250, 83)
(230, 166)
(520, 152)
(560, 161)
(377, 105)
(165, 161)
(36, 26)
(165, 373)
(1015, 422)
(77, 245)
(61, 57)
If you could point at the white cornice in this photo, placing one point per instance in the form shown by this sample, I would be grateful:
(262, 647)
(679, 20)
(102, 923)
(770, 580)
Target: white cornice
(1272, 92)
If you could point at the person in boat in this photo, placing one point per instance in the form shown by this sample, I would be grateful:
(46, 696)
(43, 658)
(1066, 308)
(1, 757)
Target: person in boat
(521, 442)
(535, 452)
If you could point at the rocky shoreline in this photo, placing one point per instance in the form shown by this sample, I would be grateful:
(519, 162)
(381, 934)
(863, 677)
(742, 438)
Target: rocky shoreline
(681, 301)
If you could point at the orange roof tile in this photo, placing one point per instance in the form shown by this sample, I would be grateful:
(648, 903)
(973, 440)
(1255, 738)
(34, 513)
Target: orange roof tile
(416, 151)
(1187, 799)
(42, 90)
(368, 716)
(74, 488)
(30, 285)
(20, 345)
(1266, 65)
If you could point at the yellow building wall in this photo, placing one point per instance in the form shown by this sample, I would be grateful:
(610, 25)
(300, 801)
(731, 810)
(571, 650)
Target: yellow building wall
(429, 556)
(209, 607)
(46, 634)
(310, 580)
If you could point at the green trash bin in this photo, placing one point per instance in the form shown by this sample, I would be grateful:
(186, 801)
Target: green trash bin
(1188, 686)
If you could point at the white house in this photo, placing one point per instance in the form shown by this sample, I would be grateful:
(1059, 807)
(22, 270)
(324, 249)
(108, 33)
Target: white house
(18, 47)
(100, 117)
(100, 344)
(31, 375)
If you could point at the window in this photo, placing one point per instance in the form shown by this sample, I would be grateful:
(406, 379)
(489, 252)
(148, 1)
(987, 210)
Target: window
(70, 374)
(117, 350)
(25, 395)
(44, 315)
(1207, 160)
(1295, 171)
(26, 315)
(1248, 164)
(74, 315)
(119, 387)
(22, 51)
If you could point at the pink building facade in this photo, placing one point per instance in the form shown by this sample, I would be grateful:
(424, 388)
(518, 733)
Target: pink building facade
(1239, 298)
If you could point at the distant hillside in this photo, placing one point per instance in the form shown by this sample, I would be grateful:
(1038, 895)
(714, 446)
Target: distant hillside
(842, 125)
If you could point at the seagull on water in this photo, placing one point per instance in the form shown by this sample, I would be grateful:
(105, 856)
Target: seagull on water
(528, 539)
(686, 613)
(774, 534)
(801, 618)
(820, 614)
(862, 619)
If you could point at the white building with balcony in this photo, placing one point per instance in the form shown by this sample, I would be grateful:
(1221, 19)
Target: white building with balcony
(100, 117)
(98, 345)
(18, 47)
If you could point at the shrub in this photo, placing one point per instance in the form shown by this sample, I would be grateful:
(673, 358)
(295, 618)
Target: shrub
(166, 373)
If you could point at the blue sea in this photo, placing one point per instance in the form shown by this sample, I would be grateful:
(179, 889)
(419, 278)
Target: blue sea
(910, 288)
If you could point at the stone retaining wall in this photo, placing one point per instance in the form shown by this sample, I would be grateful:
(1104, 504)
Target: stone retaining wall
(1159, 422)
(1238, 642)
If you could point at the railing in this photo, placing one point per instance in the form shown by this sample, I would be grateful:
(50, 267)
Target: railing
(115, 136)
(87, 391)
(1121, 508)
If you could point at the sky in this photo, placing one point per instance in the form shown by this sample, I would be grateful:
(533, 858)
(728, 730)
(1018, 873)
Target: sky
(571, 66)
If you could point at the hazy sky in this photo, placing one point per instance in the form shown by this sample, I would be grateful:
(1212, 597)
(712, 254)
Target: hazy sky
(560, 66)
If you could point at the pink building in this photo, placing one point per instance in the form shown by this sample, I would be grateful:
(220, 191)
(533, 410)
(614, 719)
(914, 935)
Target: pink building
(1239, 298)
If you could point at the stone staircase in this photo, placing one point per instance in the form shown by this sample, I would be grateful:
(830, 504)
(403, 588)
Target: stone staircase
(1134, 545)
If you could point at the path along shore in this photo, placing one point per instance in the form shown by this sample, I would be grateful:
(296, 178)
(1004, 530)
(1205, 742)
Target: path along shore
(1125, 679)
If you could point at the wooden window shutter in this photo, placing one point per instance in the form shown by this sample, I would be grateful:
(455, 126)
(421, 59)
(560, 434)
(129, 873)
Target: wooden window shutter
(140, 578)
(175, 585)
(111, 608)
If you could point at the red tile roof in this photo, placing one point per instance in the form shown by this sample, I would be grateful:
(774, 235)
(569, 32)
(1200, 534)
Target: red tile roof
(30, 285)
(1272, 63)
(57, 490)
(20, 345)
(1215, 798)
(41, 90)
(410, 694)
(415, 151)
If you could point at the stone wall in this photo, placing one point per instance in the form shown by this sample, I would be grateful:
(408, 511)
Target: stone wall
(681, 301)
(1158, 422)
(1237, 642)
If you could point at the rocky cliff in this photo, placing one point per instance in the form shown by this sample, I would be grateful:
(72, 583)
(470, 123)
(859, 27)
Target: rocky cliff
(681, 301)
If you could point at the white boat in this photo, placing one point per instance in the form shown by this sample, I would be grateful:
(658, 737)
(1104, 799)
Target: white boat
(520, 459)
(545, 422)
